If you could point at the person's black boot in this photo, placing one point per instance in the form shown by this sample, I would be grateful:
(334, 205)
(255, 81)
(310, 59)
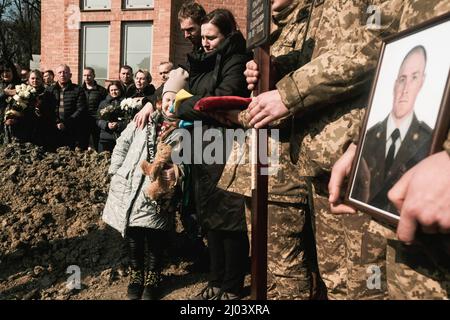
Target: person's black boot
(136, 285)
(207, 293)
(152, 286)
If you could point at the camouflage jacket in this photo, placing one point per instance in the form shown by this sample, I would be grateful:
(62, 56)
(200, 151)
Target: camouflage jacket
(286, 185)
(325, 96)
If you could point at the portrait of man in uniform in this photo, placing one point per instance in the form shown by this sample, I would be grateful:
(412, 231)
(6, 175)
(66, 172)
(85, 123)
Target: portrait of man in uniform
(393, 146)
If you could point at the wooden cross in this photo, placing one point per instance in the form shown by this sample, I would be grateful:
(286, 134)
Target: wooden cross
(258, 26)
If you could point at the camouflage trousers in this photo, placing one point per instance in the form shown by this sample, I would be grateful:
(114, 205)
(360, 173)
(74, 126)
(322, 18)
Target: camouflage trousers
(360, 258)
(289, 261)
(418, 271)
(351, 252)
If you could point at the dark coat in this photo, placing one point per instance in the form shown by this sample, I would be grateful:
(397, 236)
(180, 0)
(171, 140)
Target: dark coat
(219, 73)
(106, 135)
(3, 97)
(45, 113)
(131, 91)
(414, 148)
(75, 106)
(93, 98)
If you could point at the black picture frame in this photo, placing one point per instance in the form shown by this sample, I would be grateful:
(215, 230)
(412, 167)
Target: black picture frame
(370, 179)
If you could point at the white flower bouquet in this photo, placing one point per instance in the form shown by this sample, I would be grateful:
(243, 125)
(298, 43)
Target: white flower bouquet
(19, 102)
(110, 113)
(130, 107)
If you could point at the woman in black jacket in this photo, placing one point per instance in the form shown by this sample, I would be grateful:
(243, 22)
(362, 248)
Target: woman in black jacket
(218, 70)
(9, 78)
(43, 110)
(110, 129)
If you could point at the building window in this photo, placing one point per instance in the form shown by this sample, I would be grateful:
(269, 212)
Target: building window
(96, 4)
(137, 45)
(95, 50)
(139, 4)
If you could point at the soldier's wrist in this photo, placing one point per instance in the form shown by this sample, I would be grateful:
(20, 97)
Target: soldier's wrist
(290, 95)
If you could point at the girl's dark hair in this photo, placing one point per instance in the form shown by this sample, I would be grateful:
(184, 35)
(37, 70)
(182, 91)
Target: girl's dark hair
(12, 67)
(223, 19)
(117, 84)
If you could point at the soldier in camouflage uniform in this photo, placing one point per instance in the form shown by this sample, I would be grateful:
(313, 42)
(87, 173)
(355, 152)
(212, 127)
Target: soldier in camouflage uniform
(420, 270)
(323, 99)
(290, 263)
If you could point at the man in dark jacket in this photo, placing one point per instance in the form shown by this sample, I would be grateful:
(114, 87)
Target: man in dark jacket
(164, 69)
(126, 78)
(95, 94)
(71, 107)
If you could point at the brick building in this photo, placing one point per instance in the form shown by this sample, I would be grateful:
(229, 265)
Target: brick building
(105, 34)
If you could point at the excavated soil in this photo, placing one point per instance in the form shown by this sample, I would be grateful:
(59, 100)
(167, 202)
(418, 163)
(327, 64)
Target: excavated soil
(50, 218)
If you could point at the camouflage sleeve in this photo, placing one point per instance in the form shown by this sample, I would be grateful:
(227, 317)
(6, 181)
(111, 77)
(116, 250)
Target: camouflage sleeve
(340, 72)
(447, 144)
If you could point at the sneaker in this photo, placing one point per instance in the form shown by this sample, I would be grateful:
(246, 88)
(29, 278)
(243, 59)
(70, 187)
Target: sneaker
(136, 285)
(229, 296)
(208, 293)
(152, 286)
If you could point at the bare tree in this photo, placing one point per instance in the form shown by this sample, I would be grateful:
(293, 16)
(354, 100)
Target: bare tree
(19, 30)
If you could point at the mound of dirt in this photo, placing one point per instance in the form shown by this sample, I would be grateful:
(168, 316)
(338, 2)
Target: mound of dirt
(50, 218)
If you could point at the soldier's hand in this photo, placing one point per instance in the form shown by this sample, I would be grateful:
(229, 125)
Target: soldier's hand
(251, 74)
(266, 108)
(422, 197)
(340, 171)
(143, 116)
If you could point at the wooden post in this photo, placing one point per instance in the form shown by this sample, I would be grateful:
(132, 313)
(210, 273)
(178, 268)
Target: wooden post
(259, 31)
(259, 196)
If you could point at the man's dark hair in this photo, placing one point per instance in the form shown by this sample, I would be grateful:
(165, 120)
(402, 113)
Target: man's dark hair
(90, 69)
(223, 19)
(49, 71)
(126, 67)
(193, 10)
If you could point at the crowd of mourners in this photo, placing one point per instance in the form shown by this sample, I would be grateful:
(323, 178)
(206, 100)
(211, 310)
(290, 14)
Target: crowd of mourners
(317, 247)
(56, 112)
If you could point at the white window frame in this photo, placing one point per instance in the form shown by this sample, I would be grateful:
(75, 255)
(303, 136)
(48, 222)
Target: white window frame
(128, 5)
(88, 8)
(125, 38)
(83, 48)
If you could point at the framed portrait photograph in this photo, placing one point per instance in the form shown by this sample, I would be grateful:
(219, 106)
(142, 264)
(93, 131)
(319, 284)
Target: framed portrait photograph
(408, 115)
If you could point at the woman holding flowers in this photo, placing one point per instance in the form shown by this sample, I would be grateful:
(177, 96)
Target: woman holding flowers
(8, 81)
(109, 120)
